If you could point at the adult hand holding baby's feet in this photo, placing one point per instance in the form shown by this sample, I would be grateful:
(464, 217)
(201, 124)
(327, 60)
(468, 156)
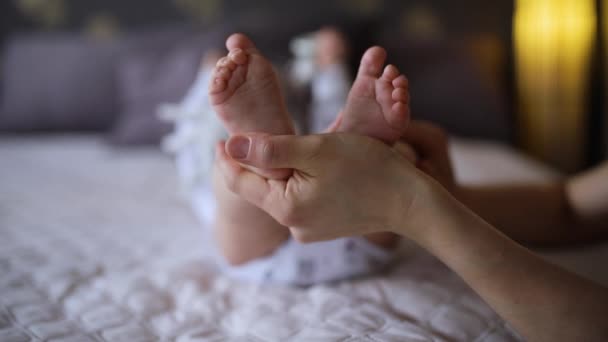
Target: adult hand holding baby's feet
(369, 188)
(245, 92)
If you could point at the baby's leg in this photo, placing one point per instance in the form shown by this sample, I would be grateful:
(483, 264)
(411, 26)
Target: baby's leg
(245, 93)
(243, 231)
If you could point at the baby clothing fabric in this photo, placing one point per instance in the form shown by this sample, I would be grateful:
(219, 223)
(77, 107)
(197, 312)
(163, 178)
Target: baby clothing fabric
(197, 130)
(307, 264)
(329, 89)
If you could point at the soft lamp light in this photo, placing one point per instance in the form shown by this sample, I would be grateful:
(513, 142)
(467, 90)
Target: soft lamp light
(553, 46)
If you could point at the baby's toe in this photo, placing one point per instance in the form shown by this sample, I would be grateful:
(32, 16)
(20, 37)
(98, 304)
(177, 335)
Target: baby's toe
(240, 41)
(400, 116)
(401, 82)
(223, 73)
(221, 76)
(226, 62)
(401, 95)
(218, 85)
(372, 62)
(390, 73)
(238, 56)
(400, 108)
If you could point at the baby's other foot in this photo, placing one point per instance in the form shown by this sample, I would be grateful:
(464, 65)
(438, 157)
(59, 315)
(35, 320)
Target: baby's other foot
(245, 93)
(378, 102)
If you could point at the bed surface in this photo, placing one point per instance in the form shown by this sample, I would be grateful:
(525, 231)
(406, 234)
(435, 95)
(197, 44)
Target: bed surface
(96, 244)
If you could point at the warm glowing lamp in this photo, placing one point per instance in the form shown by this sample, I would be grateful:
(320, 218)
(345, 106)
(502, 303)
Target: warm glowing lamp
(553, 46)
(605, 53)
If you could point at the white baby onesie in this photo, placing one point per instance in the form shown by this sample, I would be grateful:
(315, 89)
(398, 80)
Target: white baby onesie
(197, 130)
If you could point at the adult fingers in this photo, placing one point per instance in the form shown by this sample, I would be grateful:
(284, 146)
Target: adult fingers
(427, 138)
(241, 181)
(274, 152)
(407, 151)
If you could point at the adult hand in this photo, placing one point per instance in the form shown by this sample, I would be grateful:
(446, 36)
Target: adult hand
(342, 185)
(431, 145)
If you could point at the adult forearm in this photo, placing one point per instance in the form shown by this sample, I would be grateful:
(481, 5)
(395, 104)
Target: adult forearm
(538, 299)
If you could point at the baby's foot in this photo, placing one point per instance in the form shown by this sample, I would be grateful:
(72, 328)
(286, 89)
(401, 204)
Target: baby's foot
(378, 102)
(245, 93)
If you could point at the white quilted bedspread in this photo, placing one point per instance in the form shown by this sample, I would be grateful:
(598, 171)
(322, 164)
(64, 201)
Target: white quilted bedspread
(96, 245)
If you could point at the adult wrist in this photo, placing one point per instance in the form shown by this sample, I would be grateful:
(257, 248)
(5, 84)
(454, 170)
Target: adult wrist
(419, 205)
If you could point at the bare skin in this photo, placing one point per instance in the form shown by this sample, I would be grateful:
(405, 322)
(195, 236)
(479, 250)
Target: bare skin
(246, 95)
(538, 299)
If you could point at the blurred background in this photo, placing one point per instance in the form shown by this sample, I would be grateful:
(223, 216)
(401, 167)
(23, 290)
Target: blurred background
(528, 73)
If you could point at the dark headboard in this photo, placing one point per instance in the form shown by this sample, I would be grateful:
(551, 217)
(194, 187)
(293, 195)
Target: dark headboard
(434, 41)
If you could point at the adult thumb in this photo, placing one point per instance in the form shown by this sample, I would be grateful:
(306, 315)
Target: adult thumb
(273, 151)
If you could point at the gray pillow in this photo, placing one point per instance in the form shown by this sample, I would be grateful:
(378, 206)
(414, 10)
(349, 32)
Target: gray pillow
(58, 82)
(152, 75)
